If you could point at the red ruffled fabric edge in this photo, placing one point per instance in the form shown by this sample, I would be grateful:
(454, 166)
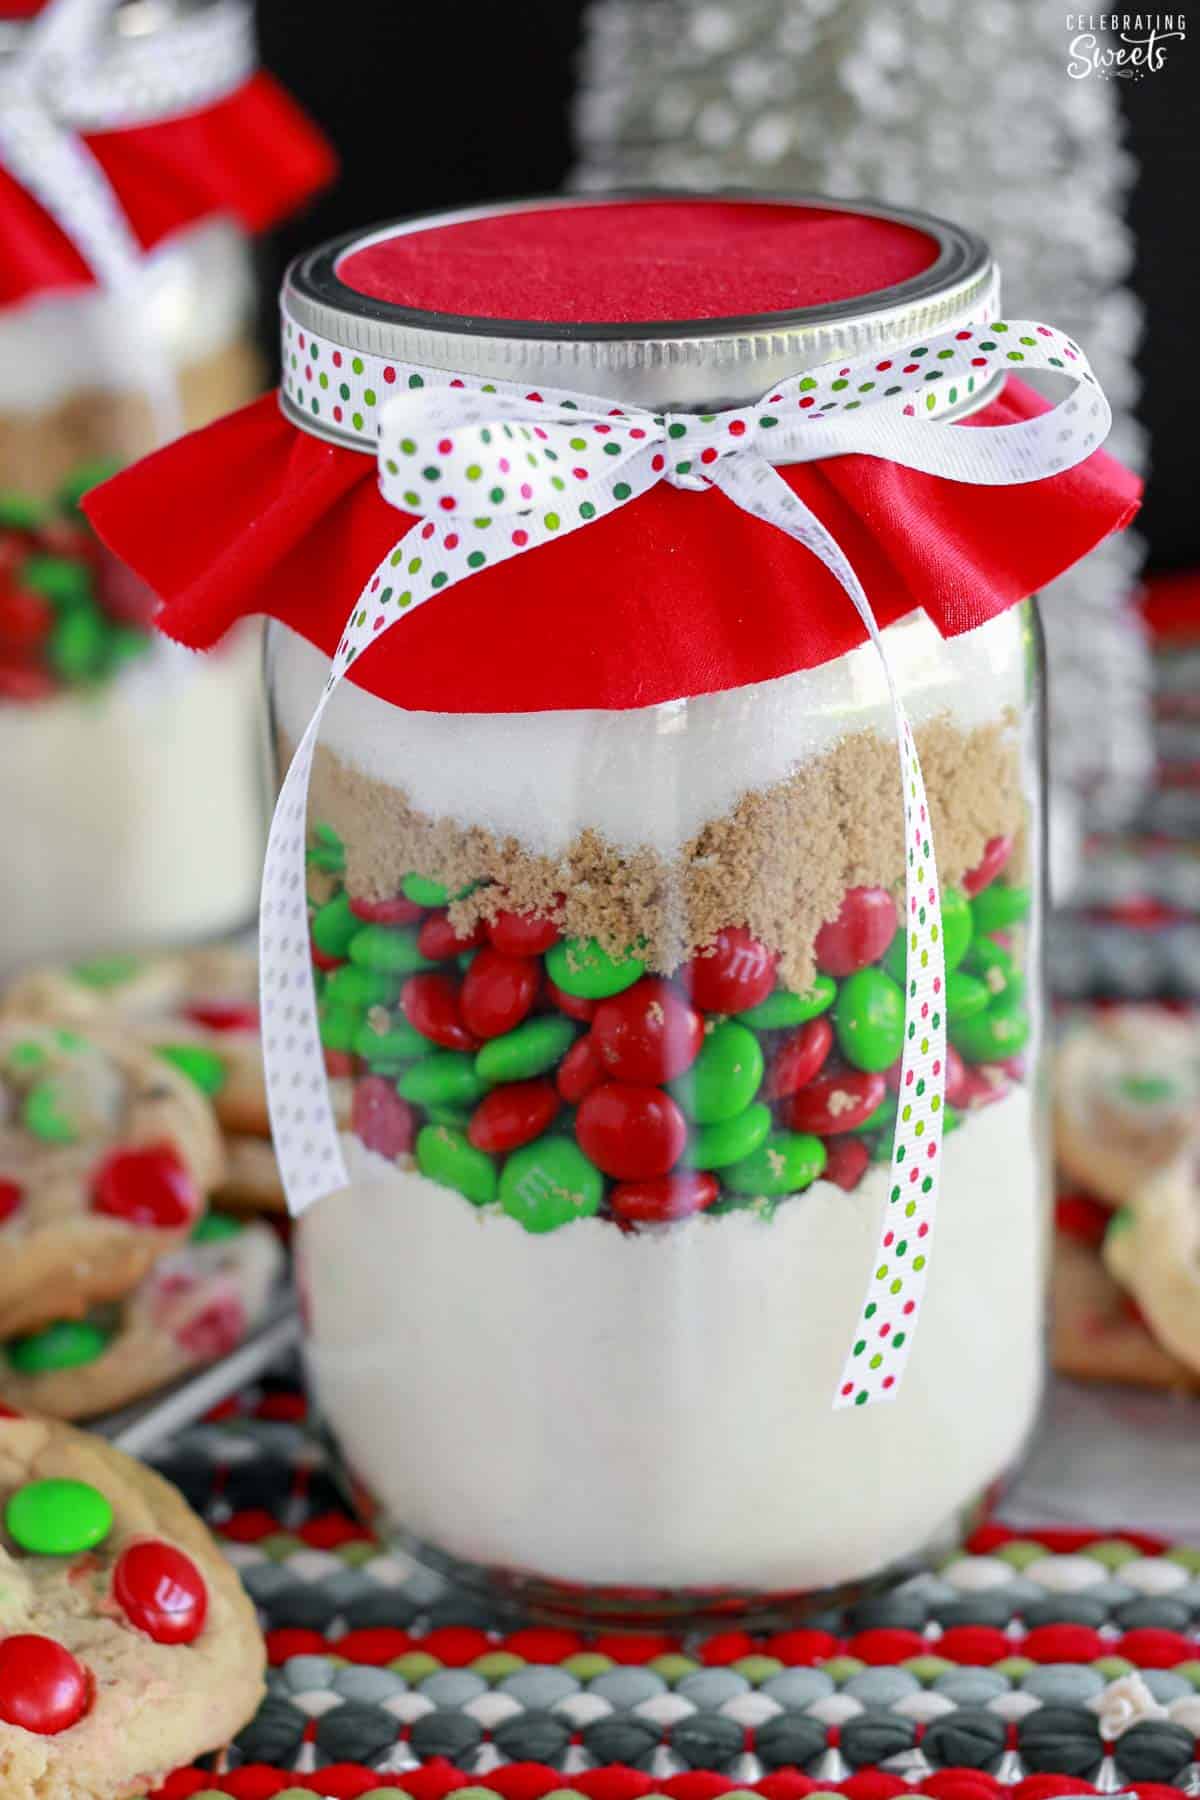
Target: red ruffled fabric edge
(253, 155)
(677, 594)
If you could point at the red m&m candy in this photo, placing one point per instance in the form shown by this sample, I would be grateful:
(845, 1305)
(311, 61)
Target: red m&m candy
(387, 912)
(497, 992)
(42, 1687)
(149, 1187)
(579, 1071)
(522, 934)
(835, 1103)
(846, 1160)
(438, 940)
(161, 1592)
(736, 973)
(222, 1015)
(996, 853)
(11, 1194)
(647, 1034)
(433, 1005)
(380, 1119)
(513, 1114)
(862, 931)
(665, 1197)
(576, 1006)
(630, 1132)
(799, 1059)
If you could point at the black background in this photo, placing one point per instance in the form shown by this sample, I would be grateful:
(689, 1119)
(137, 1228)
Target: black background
(442, 105)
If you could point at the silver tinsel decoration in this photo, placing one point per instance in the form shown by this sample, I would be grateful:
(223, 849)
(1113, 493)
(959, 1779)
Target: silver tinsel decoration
(965, 111)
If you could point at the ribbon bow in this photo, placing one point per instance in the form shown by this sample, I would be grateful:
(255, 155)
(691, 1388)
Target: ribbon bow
(495, 473)
(67, 74)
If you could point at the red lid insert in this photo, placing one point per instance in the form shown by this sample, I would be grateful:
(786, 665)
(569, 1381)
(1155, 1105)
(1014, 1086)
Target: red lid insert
(640, 261)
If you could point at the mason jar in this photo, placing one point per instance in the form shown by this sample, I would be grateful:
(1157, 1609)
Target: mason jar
(613, 996)
(136, 811)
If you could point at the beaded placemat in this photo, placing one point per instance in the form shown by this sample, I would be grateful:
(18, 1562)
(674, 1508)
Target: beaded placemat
(1063, 1664)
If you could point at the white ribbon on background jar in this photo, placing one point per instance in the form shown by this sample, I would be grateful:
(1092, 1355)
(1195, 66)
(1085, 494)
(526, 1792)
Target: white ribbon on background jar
(71, 72)
(493, 473)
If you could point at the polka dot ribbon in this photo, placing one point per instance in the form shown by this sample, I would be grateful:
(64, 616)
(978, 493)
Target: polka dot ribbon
(70, 74)
(494, 471)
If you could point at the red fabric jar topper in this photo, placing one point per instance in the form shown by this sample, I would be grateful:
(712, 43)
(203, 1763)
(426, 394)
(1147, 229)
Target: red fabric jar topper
(254, 515)
(251, 155)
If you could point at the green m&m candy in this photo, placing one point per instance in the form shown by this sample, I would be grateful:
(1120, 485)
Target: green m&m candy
(107, 971)
(782, 1009)
(358, 987)
(202, 1066)
(337, 1026)
(445, 1156)
(390, 948)
(326, 852)
(216, 1228)
(528, 1050)
(48, 1112)
(387, 1039)
(58, 1517)
(67, 1344)
(334, 926)
(869, 1019)
(997, 968)
(581, 967)
(787, 1162)
(77, 643)
(725, 1076)
(991, 1036)
(549, 1183)
(999, 906)
(457, 1117)
(423, 892)
(445, 1078)
(716, 1146)
(59, 579)
(966, 995)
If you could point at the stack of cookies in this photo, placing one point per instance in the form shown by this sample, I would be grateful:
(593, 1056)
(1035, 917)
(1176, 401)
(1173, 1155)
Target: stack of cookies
(133, 1139)
(1127, 1245)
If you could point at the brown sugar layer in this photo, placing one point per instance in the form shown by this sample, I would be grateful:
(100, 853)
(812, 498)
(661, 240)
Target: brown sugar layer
(39, 451)
(780, 863)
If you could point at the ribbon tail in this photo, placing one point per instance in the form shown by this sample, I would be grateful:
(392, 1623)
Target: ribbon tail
(884, 1335)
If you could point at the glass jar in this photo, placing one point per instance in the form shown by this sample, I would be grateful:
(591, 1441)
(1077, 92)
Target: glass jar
(612, 1006)
(563, 954)
(139, 812)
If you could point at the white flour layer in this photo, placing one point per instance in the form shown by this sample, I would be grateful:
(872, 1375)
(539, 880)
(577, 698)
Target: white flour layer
(656, 1409)
(649, 775)
(199, 298)
(134, 815)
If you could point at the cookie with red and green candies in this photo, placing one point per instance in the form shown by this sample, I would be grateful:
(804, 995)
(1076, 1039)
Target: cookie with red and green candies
(198, 1009)
(195, 1305)
(108, 1156)
(71, 615)
(559, 1078)
(127, 1645)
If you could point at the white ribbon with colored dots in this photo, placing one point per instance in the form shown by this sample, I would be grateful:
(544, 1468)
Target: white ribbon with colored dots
(71, 73)
(494, 472)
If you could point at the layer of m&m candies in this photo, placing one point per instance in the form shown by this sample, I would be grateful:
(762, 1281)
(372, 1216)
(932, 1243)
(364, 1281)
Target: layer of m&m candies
(150, 1586)
(556, 1080)
(71, 615)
